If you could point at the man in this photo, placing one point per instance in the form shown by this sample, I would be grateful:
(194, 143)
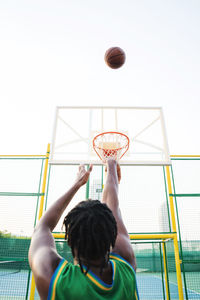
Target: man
(104, 260)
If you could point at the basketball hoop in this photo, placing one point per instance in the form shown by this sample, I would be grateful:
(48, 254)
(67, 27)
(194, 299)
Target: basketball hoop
(110, 144)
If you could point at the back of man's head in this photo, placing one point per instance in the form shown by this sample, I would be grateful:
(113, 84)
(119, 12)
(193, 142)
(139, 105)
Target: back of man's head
(91, 230)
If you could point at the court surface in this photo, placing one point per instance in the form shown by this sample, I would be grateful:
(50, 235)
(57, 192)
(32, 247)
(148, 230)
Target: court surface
(13, 286)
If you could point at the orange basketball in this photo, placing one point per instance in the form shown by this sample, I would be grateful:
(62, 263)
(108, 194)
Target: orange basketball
(115, 57)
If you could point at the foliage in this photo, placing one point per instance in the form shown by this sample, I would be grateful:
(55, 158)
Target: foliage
(9, 235)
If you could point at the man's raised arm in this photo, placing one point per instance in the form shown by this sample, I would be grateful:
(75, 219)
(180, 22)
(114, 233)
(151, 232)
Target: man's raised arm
(43, 257)
(123, 246)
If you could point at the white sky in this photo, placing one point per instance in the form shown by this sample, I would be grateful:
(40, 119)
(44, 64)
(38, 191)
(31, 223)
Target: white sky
(52, 53)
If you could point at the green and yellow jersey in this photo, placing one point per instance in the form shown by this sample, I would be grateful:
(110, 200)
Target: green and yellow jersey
(68, 282)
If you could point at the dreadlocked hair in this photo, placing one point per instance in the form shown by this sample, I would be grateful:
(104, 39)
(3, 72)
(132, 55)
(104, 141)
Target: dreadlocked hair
(91, 229)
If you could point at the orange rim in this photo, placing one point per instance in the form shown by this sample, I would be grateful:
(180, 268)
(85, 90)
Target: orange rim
(126, 146)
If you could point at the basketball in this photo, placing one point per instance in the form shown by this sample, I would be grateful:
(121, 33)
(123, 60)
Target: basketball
(115, 57)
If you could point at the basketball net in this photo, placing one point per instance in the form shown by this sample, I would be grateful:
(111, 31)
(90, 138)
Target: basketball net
(110, 145)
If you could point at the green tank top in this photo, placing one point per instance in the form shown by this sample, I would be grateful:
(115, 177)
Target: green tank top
(68, 282)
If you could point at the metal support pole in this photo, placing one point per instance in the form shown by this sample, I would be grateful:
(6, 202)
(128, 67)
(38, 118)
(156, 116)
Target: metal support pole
(175, 240)
(32, 290)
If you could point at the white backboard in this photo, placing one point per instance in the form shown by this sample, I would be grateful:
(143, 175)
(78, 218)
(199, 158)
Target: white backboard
(75, 128)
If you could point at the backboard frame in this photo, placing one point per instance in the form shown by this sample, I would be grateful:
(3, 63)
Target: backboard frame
(53, 160)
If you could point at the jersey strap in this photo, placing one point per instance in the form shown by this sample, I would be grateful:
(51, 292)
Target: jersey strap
(114, 256)
(54, 279)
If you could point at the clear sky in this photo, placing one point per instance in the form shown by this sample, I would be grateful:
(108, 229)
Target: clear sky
(52, 53)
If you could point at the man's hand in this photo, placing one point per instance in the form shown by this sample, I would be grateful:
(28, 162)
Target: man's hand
(83, 175)
(112, 161)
